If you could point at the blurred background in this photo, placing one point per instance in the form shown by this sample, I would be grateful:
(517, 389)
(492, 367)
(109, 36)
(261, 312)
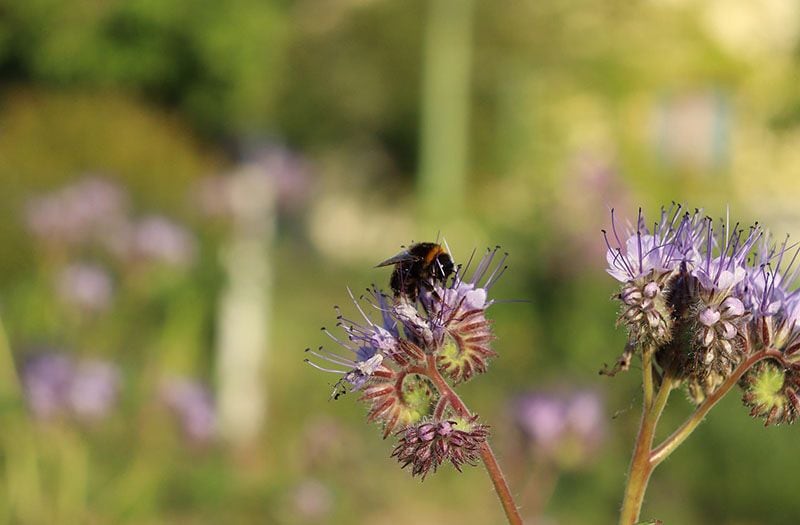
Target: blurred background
(187, 189)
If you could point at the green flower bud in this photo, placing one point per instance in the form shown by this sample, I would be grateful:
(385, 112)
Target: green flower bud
(771, 392)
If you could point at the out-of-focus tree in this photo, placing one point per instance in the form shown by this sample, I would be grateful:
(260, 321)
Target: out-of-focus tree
(217, 62)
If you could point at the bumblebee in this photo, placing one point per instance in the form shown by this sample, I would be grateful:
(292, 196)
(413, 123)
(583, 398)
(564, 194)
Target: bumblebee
(420, 265)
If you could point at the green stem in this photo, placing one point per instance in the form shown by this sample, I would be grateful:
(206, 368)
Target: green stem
(18, 443)
(684, 431)
(487, 455)
(641, 467)
(647, 379)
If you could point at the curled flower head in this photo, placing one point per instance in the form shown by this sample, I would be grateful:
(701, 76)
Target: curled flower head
(368, 345)
(646, 267)
(427, 445)
(458, 321)
(376, 366)
(771, 391)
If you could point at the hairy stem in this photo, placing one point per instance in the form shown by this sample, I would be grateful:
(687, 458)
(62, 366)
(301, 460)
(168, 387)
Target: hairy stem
(487, 455)
(647, 376)
(641, 467)
(666, 448)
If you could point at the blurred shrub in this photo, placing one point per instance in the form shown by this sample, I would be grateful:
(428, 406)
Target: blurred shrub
(49, 137)
(218, 62)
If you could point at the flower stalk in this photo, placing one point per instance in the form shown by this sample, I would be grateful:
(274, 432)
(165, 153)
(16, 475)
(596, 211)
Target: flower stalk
(487, 455)
(668, 446)
(641, 463)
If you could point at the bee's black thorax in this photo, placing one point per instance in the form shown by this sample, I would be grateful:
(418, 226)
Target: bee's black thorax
(422, 265)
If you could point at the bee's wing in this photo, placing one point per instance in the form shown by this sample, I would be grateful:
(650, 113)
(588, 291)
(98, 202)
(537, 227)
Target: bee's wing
(399, 258)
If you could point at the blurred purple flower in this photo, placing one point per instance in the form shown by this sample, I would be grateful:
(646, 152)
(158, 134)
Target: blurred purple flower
(94, 389)
(155, 238)
(312, 500)
(549, 420)
(541, 417)
(87, 286)
(56, 384)
(45, 381)
(290, 175)
(193, 405)
(82, 211)
(266, 171)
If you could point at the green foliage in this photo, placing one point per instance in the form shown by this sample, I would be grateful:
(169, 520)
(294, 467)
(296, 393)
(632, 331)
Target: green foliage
(221, 64)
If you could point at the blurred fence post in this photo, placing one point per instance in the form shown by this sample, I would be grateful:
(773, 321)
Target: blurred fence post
(445, 108)
(245, 309)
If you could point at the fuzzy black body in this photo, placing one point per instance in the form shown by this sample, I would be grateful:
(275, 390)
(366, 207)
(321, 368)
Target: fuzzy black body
(421, 265)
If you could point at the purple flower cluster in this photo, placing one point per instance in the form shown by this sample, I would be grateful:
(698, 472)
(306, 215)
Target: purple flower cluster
(565, 427)
(193, 406)
(439, 329)
(94, 211)
(84, 211)
(155, 239)
(703, 295)
(57, 385)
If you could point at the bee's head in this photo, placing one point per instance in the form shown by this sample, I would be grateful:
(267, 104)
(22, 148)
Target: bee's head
(443, 266)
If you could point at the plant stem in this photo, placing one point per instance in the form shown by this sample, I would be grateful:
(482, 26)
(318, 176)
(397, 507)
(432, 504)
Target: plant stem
(644, 459)
(641, 467)
(684, 431)
(487, 455)
(647, 376)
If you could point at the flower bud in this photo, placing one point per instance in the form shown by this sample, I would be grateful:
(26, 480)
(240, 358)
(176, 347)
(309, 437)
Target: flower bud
(716, 344)
(645, 312)
(398, 400)
(772, 393)
(427, 445)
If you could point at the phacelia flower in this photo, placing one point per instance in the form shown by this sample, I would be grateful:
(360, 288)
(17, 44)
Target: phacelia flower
(645, 262)
(707, 297)
(457, 315)
(427, 445)
(769, 293)
(377, 357)
(713, 318)
(431, 330)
